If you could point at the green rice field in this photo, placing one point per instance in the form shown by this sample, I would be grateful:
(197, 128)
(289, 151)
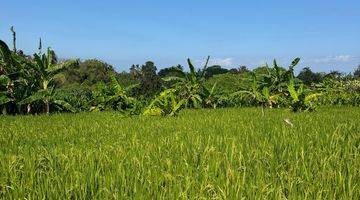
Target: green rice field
(201, 154)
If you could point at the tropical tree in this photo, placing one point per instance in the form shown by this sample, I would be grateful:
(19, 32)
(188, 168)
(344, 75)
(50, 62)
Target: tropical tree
(6, 70)
(276, 78)
(215, 70)
(309, 77)
(167, 103)
(14, 71)
(88, 73)
(334, 74)
(258, 93)
(150, 82)
(302, 99)
(177, 70)
(113, 96)
(46, 70)
(191, 86)
(357, 72)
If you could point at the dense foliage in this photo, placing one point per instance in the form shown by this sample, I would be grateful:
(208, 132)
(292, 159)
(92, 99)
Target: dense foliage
(43, 84)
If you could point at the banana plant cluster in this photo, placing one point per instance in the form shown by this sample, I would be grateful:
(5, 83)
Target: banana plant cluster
(114, 97)
(191, 87)
(276, 88)
(167, 103)
(186, 91)
(338, 92)
(258, 94)
(302, 99)
(26, 81)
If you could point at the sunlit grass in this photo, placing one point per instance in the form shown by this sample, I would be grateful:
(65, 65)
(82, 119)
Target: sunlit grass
(221, 154)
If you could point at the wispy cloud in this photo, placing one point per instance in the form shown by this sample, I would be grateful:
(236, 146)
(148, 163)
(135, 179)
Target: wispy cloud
(330, 59)
(224, 62)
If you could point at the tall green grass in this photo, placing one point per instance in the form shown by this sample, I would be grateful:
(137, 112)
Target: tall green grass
(201, 154)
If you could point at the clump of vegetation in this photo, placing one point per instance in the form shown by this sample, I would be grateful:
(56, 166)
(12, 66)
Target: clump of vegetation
(167, 103)
(302, 99)
(113, 97)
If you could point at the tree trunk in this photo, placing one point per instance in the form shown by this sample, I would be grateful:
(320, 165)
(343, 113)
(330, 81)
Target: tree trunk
(14, 38)
(19, 109)
(4, 112)
(28, 109)
(47, 107)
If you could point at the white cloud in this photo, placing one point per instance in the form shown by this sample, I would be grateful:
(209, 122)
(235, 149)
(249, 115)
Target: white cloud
(224, 62)
(329, 59)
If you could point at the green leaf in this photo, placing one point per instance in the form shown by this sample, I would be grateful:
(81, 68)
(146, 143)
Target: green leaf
(173, 79)
(65, 105)
(205, 67)
(292, 91)
(191, 66)
(4, 99)
(39, 64)
(266, 92)
(50, 57)
(275, 64)
(115, 85)
(294, 63)
(130, 88)
(241, 93)
(177, 107)
(213, 89)
(55, 69)
(196, 100)
(312, 97)
(192, 74)
(39, 95)
(153, 111)
(5, 53)
(4, 80)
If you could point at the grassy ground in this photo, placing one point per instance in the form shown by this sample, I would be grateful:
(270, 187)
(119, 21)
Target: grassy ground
(225, 153)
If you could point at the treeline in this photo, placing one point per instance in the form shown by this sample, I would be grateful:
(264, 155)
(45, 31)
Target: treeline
(41, 83)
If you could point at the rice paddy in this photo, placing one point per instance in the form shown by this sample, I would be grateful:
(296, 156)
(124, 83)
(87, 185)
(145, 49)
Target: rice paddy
(201, 154)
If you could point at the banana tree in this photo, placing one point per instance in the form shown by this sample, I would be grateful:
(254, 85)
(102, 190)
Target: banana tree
(191, 86)
(13, 70)
(114, 96)
(167, 103)
(211, 99)
(259, 94)
(302, 99)
(277, 77)
(46, 70)
(6, 94)
(5, 84)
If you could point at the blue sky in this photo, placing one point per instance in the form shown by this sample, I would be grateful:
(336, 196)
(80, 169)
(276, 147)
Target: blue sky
(324, 33)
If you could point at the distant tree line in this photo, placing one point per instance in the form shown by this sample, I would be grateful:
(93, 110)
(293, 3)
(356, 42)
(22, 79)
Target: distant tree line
(43, 83)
